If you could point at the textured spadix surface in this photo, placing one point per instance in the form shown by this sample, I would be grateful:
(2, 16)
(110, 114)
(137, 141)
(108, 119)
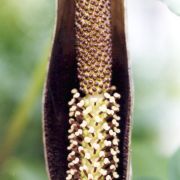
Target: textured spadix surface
(93, 44)
(63, 77)
(93, 136)
(93, 115)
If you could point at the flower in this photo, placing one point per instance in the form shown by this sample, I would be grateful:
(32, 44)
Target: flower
(66, 74)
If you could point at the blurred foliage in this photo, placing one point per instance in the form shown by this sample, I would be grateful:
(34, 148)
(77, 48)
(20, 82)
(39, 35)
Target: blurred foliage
(25, 34)
(173, 5)
(174, 166)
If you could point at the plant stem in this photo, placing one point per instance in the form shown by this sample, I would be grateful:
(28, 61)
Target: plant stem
(20, 118)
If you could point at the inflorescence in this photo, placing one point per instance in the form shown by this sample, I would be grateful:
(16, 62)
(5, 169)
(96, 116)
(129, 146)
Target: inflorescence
(93, 136)
(93, 116)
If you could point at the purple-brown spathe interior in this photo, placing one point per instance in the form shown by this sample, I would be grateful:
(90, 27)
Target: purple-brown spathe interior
(62, 77)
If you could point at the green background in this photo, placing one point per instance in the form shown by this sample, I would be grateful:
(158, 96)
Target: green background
(26, 31)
